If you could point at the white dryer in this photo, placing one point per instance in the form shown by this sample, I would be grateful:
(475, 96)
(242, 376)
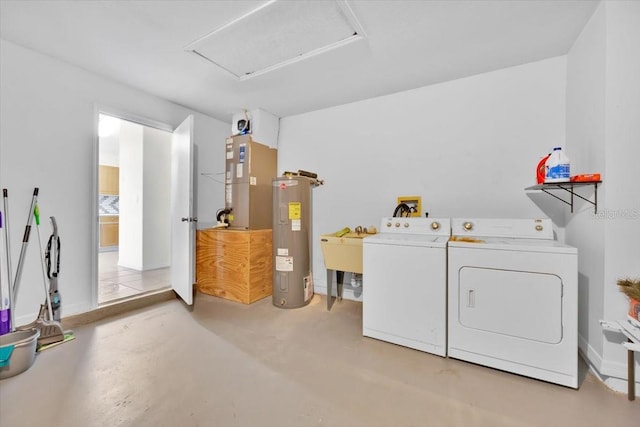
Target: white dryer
(513, 298)
(404, 283)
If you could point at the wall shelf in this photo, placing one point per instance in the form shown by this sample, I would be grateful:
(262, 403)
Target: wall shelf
(569, 188)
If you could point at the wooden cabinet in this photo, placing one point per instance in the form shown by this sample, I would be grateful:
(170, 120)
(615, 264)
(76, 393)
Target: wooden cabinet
(234, 264)
(109, 180)
(109, 229)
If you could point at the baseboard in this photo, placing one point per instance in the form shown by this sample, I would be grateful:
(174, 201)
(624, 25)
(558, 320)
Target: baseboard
(156, 266)
(612, 374)
(589, 354)
(118, 307)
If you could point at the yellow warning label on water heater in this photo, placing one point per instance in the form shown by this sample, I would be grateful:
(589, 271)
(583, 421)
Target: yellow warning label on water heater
(295, 210)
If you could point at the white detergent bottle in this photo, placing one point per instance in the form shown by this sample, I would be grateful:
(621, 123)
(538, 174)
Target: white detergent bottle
(557, 167)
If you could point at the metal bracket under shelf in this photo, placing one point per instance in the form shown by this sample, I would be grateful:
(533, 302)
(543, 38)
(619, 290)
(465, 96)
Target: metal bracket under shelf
(569, 187)
(630, 329)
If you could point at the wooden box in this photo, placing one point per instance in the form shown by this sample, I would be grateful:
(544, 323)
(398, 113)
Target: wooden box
(234, 264)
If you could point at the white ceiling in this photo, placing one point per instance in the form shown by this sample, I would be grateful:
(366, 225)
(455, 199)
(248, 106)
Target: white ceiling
(406, 44)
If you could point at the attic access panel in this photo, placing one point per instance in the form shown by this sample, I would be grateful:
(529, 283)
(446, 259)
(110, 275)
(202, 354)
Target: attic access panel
(277, 34)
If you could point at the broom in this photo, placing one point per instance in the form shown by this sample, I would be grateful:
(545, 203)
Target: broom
(630, 287)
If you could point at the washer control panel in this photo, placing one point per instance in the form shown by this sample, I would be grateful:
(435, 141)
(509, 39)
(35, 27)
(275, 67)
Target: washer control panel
(413, 225)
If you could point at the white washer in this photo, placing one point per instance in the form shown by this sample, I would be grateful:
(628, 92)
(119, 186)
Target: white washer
(513, 297)
(404, 288)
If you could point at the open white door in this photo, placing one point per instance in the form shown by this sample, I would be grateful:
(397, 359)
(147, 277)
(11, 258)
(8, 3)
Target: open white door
(182, 220)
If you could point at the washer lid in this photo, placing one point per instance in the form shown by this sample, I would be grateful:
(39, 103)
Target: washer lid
(405, 239)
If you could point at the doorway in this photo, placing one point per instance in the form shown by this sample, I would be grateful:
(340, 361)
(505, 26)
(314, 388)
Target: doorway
(134, 220)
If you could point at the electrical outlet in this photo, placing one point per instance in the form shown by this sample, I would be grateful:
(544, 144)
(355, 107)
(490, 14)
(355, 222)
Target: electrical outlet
(414, 203)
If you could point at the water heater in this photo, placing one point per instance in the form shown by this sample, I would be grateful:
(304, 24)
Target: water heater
(292, 278)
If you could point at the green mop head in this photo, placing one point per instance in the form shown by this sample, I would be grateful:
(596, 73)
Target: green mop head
(68, 336)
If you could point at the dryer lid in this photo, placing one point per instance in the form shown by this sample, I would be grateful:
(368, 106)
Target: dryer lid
(511, 244)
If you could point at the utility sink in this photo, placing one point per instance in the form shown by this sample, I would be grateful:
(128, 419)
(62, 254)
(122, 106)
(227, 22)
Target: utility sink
(342, 253)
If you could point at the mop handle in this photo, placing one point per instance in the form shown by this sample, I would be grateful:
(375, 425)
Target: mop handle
(36, 214)
(7, 242)
(23, 249)
(53, 246)
(4, 318)
(1, 296)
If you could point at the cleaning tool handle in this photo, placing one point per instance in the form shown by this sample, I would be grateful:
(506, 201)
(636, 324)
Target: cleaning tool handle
(54, 225)
(36, 213)
(27, 231)
(8, 302)
(23, 249)
(1, 298)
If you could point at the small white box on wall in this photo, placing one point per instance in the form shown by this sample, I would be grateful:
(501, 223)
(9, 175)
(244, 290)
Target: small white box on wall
(263, 126)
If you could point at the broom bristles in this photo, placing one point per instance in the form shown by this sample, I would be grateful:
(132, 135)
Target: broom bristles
(630, 287)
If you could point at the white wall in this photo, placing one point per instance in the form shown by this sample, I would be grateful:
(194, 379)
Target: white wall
(603, 102)
(130, 237)
(469, 147)
(586, 126)
(622, 245)
(145, 215)
(48, 111)
(109, 149)
(156, 223)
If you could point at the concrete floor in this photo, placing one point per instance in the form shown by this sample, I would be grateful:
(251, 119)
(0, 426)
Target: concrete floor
(228, 364)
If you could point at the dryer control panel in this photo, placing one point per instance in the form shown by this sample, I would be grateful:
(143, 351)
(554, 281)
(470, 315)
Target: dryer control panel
(503, 227)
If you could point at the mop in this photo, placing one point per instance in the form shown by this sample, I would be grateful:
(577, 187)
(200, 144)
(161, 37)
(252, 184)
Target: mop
(52, 256)
(50, 330)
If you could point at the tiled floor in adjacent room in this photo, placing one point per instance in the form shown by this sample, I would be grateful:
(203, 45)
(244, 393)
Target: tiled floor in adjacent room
(116, 283)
